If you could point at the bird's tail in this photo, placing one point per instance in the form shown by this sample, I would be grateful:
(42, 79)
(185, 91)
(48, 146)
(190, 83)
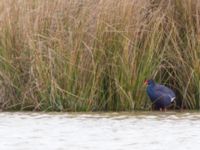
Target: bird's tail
(173, 99)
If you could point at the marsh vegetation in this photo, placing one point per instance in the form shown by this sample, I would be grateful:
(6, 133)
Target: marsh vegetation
(94, 55)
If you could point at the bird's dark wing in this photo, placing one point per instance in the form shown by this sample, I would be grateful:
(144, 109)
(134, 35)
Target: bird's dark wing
(163, 99)
(164, 90)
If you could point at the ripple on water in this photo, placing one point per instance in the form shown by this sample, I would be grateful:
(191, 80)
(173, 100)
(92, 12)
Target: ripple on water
(144, 130)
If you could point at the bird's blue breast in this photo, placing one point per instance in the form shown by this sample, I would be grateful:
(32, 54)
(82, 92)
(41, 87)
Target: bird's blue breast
(151, 93)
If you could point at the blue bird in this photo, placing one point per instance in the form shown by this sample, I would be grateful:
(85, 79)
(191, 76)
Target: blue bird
(160, 95)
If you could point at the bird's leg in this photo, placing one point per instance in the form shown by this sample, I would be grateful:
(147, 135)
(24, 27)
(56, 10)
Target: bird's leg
(163, 109)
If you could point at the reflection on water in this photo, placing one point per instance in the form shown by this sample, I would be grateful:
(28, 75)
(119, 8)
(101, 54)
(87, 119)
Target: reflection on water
(103, 131)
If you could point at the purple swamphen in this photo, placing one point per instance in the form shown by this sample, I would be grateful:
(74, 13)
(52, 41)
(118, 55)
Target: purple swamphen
(160, 95)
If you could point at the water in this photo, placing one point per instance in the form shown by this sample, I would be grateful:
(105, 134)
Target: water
(103, 131)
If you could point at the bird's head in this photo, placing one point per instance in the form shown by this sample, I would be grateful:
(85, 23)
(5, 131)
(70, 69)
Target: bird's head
(149, 82)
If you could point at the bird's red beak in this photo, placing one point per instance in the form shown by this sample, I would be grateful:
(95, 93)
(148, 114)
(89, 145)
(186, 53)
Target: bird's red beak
(145, 82)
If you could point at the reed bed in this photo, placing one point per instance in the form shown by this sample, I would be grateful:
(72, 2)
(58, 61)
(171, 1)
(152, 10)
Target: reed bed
(94, 55)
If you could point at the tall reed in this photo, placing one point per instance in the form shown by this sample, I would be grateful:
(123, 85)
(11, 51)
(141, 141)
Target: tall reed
(94, 55)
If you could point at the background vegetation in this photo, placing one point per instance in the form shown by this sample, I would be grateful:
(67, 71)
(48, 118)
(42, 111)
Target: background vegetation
(94, 55)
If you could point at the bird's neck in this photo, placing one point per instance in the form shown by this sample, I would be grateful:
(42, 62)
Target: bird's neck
(150, 87)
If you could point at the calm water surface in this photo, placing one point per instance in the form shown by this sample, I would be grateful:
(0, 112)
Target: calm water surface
(103, 131)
